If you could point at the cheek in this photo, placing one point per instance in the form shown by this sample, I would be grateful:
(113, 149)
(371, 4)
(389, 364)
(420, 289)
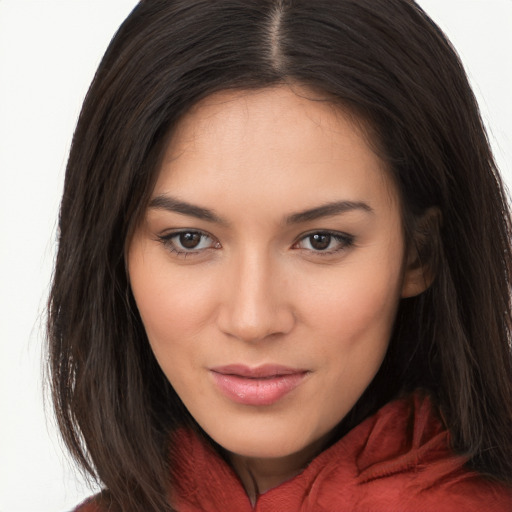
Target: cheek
(174, 306)
(352, 320)
(357, 306)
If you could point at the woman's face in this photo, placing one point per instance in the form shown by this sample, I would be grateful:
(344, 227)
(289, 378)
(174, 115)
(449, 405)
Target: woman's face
(268, 268)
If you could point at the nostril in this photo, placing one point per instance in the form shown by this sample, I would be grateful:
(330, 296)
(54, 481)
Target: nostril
(267, 324)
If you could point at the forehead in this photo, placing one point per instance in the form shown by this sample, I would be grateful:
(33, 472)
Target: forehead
(275, 141)
(249, 115)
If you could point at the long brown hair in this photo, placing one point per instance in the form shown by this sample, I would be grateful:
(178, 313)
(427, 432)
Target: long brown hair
(390, 64)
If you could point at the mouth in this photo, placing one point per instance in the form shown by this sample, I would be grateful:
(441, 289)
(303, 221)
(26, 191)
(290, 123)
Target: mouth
(260, 386)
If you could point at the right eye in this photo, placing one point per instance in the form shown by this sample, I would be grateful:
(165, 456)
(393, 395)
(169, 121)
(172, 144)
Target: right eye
(188, 242)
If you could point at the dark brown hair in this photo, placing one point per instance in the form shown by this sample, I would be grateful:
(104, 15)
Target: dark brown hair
(386, 61)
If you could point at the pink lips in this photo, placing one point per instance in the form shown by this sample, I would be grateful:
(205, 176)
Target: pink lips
(263, 385)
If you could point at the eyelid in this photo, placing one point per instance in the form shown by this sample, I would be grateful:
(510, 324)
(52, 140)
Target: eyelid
(166, 239)
(345, 240)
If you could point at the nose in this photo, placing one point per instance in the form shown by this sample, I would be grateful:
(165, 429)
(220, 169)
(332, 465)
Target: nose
(255, 304)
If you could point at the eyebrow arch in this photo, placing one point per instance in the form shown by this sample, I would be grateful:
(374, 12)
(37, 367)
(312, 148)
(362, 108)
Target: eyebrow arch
(327, 210)
(164, 202)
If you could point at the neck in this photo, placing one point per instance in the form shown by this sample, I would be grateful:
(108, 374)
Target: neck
(258, 475)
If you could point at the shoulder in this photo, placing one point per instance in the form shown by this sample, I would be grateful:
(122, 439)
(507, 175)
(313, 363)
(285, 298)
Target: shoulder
(404, 462)
(442, 486)
(89, 505)
(98, 503)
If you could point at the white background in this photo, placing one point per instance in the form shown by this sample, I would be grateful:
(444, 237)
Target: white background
(49, 50)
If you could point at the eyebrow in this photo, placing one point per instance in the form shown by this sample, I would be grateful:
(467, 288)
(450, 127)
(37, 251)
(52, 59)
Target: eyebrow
(165, 202)
(328, 210)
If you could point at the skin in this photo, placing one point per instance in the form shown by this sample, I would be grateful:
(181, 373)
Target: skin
(256, 288)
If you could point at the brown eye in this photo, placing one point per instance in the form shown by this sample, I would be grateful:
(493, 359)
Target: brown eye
(190, 240)
(320, 241)
(325, 242)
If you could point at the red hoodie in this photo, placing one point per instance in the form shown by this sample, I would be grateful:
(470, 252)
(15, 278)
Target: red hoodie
(395, 461)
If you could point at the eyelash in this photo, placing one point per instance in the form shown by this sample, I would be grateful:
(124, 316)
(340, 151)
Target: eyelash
(344, 240)
(169, 244)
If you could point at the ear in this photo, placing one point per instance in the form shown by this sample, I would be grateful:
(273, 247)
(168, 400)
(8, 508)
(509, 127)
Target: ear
(423, 251)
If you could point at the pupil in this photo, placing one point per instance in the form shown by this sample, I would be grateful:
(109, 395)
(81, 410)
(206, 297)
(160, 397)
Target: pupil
(320, 241)
(190, 240)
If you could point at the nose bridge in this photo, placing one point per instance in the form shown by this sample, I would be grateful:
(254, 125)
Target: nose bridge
(255, 305)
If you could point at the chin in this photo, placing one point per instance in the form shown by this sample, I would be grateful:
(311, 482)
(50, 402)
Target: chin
(262, 448)
(267, 439)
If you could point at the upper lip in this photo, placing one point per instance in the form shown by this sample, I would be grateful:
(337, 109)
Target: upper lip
(264, 371)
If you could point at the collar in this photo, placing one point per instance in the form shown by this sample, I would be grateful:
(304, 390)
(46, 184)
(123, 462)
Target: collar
(404, 442)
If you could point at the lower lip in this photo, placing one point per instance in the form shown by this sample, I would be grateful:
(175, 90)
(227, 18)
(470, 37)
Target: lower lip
(258, 391)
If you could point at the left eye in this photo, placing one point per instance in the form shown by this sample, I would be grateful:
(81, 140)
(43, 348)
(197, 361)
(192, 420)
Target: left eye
(325, 242)
(187, 241)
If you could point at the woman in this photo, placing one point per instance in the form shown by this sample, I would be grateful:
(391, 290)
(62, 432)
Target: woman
(283, 271)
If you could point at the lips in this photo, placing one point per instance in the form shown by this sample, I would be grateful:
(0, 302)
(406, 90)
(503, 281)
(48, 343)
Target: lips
(263, 385)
